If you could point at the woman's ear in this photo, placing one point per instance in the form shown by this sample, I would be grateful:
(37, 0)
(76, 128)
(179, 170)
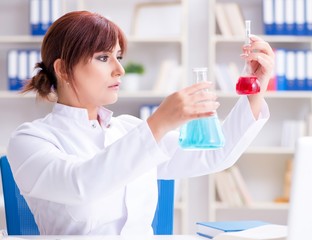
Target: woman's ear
(59, 70)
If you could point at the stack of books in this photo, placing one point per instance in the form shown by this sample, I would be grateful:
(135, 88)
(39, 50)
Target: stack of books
(42, 14)
(21, 64)
(287, 17)
(241, 230)
(232, 189)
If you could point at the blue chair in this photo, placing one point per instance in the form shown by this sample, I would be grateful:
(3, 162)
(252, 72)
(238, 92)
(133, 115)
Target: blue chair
(20, 220)
(163, 219)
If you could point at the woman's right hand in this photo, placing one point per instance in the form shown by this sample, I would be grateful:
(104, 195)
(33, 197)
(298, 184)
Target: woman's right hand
(189, 103)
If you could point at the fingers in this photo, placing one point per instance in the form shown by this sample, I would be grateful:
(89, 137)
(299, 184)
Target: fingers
(259, 51)
(196, 102)
(198, 87)
(202, 96)
(260, 58)
(259, 45)
(202, 109)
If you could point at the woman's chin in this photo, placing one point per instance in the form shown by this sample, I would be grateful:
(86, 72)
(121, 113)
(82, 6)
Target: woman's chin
(111, 101)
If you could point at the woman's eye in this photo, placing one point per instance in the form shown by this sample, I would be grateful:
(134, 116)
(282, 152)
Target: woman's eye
(119, 58)
(102, 58)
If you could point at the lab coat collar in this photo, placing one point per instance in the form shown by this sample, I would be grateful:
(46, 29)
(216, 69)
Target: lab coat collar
(81, 114)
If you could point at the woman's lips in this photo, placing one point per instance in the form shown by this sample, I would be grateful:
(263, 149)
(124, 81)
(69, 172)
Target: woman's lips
(114, 86)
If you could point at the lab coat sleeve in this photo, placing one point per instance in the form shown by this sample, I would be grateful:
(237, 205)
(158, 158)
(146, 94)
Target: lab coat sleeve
(43, 171)
(239, 129)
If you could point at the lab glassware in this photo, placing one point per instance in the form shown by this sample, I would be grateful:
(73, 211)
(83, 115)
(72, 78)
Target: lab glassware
(202, 133)
(247, 82)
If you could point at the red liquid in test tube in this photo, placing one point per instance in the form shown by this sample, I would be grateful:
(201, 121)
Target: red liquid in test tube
(247, 82)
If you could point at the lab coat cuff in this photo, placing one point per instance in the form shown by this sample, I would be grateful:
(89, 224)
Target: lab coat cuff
(264, 113)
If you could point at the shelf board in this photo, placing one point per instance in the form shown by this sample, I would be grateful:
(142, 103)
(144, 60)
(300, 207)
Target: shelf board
(289, 94)
(134, 39)
(254, 206)
(268, 38)
(15, 94)
(270, 150)
(272, 94)
(21, 39)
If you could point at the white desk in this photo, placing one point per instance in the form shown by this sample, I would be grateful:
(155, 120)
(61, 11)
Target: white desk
(156, 237)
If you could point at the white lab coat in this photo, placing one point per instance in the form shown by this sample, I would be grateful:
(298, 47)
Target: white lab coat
(81, 177)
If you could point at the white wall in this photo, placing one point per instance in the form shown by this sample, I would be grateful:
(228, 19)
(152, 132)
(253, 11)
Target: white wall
(198, 56)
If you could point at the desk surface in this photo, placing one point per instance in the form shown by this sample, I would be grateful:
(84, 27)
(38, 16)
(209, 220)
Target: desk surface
(156, 237)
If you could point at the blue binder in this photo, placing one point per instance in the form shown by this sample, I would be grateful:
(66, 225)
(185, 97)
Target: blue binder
(268, 17)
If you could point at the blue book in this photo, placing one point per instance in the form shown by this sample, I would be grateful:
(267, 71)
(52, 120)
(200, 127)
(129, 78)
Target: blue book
(212, 229)
(280, 69)
(300, 19)
(279, 17)
(13, 81)
(291, 82)
(301, 73)
(35, 26)
(289, 11)
(309, 69)
(268, 17)
(308, 15)
(45, 16)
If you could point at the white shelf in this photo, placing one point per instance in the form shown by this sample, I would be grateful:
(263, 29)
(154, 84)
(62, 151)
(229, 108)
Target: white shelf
(15, 94)
(270, 150)
(263, 167)
(21, 39)
(255, 206)
(131, 39)
(273, 94)
(271, 39)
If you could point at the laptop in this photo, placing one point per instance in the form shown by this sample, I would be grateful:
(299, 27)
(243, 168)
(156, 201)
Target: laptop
(300, 209)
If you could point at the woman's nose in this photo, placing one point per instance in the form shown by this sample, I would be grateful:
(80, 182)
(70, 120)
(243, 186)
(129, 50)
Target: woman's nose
(119, 70)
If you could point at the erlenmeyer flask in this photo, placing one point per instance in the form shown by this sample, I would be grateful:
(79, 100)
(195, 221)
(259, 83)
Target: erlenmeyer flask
(203, 133)
(247, 82)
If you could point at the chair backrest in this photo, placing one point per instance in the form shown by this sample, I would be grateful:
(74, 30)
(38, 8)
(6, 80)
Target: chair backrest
(20, 220)
(163, 219)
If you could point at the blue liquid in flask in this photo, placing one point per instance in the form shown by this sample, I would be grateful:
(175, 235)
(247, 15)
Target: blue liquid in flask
(203, 133)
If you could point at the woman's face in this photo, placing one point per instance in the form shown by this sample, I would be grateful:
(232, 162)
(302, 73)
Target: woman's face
(97, 82)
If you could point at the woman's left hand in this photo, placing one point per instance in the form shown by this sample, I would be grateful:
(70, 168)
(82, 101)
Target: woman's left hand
(262, 60)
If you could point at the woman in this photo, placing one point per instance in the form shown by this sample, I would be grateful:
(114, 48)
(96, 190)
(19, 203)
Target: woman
(83, 171)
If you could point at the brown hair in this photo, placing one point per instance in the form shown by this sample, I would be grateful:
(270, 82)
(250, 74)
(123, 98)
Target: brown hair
(73, 37)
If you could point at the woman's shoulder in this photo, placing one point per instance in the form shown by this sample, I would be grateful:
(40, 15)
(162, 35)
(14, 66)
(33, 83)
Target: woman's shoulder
(34, 127)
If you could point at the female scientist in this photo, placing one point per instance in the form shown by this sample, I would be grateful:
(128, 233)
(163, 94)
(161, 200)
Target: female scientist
(83, 171)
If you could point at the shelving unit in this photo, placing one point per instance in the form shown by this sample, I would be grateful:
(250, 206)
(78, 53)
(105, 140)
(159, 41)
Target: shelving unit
(149, 50)
(263, 164)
